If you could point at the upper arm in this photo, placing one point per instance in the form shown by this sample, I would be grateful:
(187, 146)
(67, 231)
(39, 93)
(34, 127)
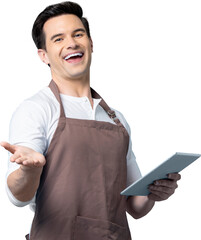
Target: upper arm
(133, 170)
(27, 126)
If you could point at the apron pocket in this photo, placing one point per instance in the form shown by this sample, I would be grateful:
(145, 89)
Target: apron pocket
(96, 229)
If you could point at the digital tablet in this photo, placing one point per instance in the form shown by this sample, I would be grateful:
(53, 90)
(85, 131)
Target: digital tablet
(174, 164)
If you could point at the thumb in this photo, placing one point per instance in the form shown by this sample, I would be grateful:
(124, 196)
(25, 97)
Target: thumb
(8, 146)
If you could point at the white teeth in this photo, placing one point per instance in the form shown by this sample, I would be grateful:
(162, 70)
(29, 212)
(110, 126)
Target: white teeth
(73, 55)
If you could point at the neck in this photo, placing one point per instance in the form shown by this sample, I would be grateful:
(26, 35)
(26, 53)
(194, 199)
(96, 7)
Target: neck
(78, 87)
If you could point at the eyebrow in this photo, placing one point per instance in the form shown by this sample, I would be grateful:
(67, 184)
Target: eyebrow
(61, 34)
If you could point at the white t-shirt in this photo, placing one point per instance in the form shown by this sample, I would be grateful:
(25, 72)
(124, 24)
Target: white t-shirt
(35, 120)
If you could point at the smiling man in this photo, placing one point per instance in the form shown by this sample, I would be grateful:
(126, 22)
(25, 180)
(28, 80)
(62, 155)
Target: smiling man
(70, 153)
(68, 50)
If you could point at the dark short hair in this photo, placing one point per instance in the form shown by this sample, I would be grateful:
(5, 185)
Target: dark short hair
(51, 11)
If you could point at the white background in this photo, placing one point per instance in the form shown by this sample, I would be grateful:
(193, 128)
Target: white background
(146, 64)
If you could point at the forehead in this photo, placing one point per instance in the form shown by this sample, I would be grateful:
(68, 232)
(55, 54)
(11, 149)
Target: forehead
(62, 23)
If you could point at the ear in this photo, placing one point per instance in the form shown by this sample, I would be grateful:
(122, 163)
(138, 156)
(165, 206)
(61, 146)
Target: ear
(91, 45)
(43, 56)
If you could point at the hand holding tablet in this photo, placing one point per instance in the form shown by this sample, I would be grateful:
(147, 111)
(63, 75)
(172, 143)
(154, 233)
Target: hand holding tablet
(174, 164)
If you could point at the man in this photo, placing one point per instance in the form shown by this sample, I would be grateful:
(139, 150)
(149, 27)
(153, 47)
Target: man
(72, 153)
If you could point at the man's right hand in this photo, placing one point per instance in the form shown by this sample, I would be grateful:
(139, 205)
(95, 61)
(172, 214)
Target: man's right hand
(24, 182)
(25, 156)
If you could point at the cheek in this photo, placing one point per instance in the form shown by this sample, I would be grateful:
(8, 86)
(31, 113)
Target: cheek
(54, 52)
(90, 47)
(89, 50)
(54, 57)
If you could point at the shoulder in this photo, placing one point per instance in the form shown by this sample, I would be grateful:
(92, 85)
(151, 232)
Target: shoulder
(40, 105)
(32, 119)
(34, 116)
(43, 98)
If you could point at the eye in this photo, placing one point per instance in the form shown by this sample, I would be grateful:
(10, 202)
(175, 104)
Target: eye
(78, 35)
(58, 40)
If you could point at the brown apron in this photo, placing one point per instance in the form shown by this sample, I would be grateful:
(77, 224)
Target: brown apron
(79, 193)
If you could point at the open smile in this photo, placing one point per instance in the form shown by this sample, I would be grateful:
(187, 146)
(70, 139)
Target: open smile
(75, 57)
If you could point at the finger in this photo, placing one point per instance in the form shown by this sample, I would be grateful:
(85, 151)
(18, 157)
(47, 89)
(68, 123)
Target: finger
(20, 160)
(154, 197)
(31, 163)
(27, 163)
(161, 189)
(174, 176)
(8, 146)
(15, 156)
(38, 163)
(159, 195)
(165, 183)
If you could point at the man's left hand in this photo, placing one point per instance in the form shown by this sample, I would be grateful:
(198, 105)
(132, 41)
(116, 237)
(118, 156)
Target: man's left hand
(162, 189)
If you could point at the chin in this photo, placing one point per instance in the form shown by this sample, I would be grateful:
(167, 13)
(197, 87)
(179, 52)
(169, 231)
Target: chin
(79, 74)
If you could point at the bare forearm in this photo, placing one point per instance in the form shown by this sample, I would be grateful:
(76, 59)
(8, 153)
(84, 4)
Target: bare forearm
(139, 206)
(24, 183)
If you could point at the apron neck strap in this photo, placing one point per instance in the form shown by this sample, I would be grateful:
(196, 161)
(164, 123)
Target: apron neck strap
(55, 90)
(104, 105)
(53, 86)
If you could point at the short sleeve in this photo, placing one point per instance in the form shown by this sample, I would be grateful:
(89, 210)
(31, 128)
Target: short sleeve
(133, 171)
(27, 126)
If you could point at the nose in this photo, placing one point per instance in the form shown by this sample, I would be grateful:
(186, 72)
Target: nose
(71, 43)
